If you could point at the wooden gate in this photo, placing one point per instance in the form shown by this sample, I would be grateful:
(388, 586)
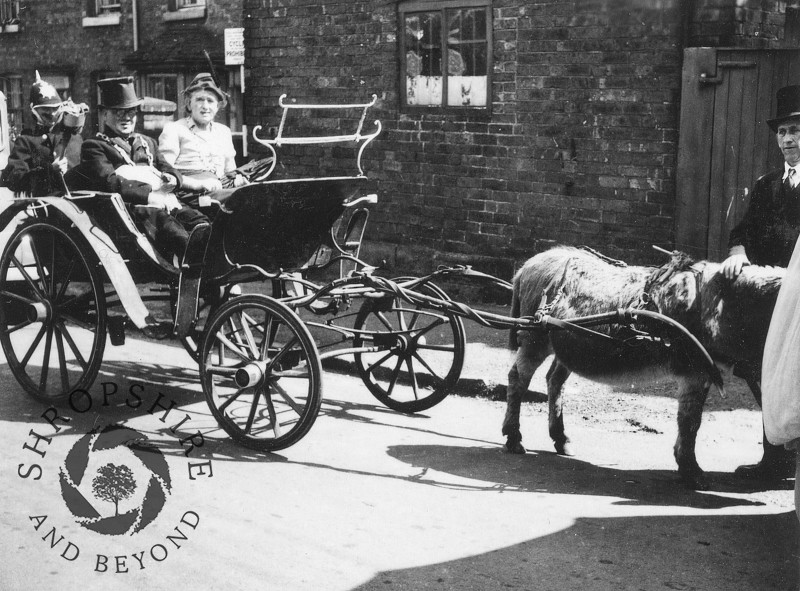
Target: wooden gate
(725, 144)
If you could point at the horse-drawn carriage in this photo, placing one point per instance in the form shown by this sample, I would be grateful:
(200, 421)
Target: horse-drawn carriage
(73, 268)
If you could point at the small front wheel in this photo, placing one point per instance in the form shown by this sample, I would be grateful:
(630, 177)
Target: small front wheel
(261, 372)
(421, 350)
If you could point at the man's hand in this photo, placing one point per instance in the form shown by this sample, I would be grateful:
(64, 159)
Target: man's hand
(169, 181)
(732, 266)
(209, 185)
(240, 181)
(166, 201)
(60, 165)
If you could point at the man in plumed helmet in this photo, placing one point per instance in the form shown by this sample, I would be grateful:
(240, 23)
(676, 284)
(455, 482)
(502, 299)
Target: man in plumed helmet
(766, 236)
(39, 158)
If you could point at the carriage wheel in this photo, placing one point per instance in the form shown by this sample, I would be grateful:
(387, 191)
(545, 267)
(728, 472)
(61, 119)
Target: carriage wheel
(52, 311)
(425, 351)
(261, 372)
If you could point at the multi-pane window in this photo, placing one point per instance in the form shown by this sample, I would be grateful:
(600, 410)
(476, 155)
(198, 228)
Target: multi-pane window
(104, 7)
(179, 4)
(446, 53)
(163, 86)
(11, 86)
(9, 12)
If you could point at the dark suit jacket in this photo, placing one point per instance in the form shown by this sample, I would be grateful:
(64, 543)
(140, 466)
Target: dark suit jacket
(770, 226)
(29, 170)
(100, 159)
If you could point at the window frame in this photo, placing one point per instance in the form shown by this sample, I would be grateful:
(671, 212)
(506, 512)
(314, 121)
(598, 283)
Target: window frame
(16, 126)
(9, 12)
(177, 10)
(414, 6)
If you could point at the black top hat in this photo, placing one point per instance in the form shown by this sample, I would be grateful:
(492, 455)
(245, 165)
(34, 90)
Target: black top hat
(205, 81)
(118, 93)
(788, 106)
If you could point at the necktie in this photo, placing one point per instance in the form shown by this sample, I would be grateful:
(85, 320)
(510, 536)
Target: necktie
(791, 179)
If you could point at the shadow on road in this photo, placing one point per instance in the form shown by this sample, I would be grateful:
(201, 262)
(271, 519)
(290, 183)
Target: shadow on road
(708, 553)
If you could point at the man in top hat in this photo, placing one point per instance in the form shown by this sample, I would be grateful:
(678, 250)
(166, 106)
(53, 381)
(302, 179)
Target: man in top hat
(766, 236)
(197, 145)
(39, 158)
(119, 145)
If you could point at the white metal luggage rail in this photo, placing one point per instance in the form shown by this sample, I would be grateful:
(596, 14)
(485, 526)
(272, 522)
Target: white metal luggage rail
(357, 137)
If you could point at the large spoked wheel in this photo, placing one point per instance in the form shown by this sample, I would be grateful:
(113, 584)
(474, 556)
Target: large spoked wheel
(52, 311)
(425, 351)
(261, 372)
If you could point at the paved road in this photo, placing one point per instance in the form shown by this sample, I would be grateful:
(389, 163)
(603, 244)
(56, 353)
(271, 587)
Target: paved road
(372, 499)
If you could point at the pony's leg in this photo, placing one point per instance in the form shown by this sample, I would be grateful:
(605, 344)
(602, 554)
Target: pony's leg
(529, 358)
(556, 376)
(692, 393)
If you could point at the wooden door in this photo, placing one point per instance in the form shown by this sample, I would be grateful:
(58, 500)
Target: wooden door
(725, 143)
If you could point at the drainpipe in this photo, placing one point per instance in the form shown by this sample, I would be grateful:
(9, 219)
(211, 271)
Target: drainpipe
(135, 10)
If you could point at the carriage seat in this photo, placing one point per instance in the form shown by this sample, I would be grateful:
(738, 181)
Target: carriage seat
(121, 221)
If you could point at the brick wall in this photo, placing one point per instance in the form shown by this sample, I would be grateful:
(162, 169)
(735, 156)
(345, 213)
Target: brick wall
(52, 39)
(580, 147)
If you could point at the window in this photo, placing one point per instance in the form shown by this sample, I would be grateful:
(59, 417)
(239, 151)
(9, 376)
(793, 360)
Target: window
(163, 86)
(102, 13)
(9, 12)
(60, 82)
(11, 86)
(446, 53)
(103, 7)
(185, 10)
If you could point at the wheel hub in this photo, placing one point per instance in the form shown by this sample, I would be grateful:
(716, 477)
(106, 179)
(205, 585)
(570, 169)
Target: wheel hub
(250, 375)
(38, 312)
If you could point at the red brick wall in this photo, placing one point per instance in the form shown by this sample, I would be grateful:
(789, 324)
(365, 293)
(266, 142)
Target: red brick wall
(580, 147)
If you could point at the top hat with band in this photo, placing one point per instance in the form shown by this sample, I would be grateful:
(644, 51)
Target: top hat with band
(788, 99)
(118, 93)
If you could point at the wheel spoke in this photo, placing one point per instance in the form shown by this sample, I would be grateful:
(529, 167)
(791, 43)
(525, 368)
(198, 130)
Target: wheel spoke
(265, 343)
(287, 347)
(253, 409)
(19, 326)
(62, 329)
(40, 268)
(62, 361)
(287, 398)
(273, 416)
(219, 370)
(63, 289)
(428, 367)
(395, 375)
(379, 362)
(251, 343)
(21, 268)
(16, 296)
(385, 321)
(224, 340)
(80, 323)
(33, 346)
(46, 358)
(231, 399)
(445, 348)
(414, 385)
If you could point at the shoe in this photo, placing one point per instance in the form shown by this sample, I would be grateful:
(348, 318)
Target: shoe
(766, 471)
(158, 331)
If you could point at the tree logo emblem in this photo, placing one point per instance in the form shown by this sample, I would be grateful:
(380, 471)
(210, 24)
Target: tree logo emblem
(114, 481)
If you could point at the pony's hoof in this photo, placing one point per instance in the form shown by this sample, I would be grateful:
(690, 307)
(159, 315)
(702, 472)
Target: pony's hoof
(514, 447)
(565, 449)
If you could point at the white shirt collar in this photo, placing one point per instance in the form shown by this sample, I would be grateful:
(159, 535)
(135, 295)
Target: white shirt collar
(796, 176)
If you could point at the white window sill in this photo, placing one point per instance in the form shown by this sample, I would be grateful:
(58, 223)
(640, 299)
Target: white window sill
(105, 20)
(185, 14)
(10, 29)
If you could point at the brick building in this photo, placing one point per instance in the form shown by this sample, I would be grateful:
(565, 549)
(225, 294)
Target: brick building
(553, 121)
(74, 43)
